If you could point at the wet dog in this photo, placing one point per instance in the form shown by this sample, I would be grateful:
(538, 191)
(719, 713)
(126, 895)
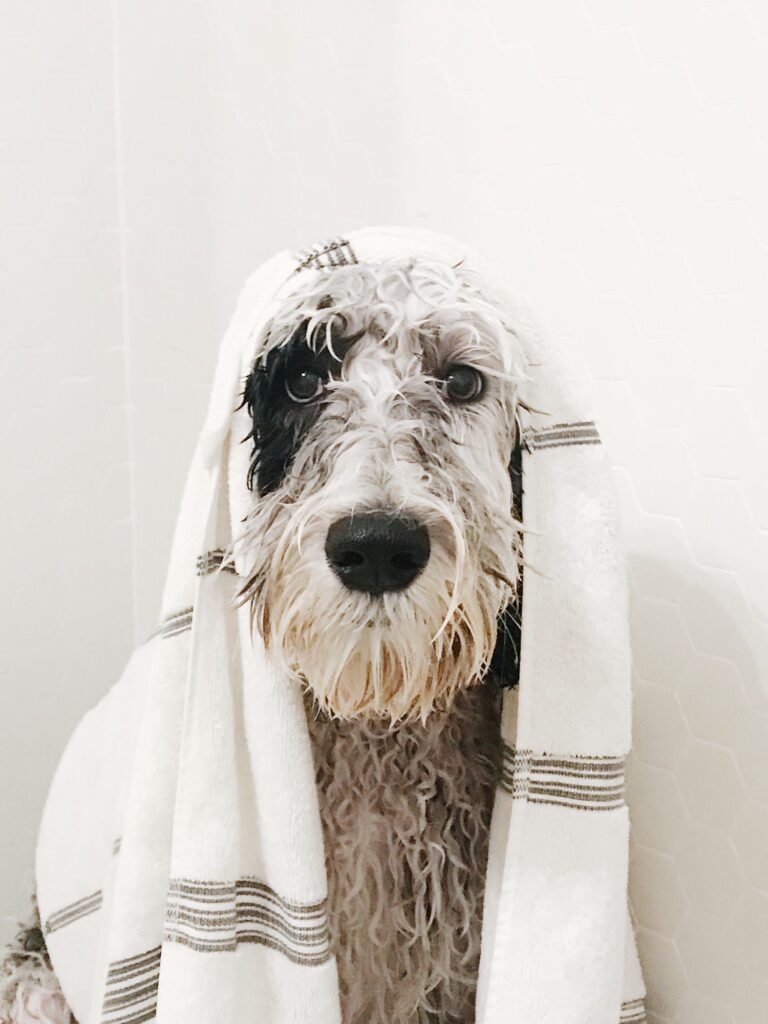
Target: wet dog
(384, 554)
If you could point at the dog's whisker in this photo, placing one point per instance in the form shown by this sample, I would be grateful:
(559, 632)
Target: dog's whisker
(498, 575)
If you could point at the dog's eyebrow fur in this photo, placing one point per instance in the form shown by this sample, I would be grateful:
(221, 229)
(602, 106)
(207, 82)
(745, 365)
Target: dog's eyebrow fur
(401, 296)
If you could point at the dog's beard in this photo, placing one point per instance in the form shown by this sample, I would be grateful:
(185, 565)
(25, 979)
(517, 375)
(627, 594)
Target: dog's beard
(399, 655)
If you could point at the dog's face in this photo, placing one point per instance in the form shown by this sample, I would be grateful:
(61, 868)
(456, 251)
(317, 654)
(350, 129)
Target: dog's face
(382, 544)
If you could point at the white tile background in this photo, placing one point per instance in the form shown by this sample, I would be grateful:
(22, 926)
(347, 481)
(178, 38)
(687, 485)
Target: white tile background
(610, 154)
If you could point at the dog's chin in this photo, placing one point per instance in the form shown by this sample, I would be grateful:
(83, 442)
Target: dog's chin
(384, 699)
(388, 668)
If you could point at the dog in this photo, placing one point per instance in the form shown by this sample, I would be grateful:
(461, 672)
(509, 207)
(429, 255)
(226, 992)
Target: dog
(384, 554)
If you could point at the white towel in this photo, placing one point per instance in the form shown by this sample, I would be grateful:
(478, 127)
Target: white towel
(180, 863)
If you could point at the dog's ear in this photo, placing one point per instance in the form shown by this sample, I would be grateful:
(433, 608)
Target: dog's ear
(504, 667)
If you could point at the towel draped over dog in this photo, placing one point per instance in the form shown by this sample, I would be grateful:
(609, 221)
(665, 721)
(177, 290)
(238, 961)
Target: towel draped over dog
(180, 861)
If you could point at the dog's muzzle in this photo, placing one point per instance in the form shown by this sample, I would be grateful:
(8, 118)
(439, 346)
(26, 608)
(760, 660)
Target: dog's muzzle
(376, 552)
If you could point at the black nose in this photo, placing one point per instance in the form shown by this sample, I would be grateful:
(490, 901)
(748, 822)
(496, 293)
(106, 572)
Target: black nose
(377, 551)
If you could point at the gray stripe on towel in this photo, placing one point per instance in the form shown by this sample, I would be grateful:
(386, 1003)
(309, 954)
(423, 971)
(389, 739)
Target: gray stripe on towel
(73, 912)
(213, 561)
(633, 1012)
(584, 783)
(334, 252)
(179, 622)
(560, 435)
(130, 996)
(211, 917)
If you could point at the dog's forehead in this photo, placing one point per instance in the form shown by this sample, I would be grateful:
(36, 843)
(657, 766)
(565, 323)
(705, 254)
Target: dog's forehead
(415, 308)
(411, 301)
(403, 351)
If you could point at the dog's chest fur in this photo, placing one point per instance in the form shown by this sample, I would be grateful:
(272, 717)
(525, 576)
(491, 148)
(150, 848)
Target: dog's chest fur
(406, 816)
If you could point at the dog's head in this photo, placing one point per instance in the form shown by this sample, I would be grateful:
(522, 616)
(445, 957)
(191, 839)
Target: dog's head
(383, 544)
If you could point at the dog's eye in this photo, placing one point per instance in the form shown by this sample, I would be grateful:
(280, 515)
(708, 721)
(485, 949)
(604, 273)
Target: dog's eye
(463, 383)
(303, 385)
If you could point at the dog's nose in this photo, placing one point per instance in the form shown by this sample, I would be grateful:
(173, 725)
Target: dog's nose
(377, 551)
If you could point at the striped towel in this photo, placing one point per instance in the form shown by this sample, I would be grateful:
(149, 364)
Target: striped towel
(180, 862)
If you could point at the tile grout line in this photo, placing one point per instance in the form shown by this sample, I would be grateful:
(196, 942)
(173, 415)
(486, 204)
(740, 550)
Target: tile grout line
(120, 197)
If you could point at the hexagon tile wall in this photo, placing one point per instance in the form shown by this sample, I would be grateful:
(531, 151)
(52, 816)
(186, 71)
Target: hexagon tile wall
(611, 154)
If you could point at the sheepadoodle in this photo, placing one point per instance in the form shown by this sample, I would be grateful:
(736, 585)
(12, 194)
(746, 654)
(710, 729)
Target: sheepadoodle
(384, 554)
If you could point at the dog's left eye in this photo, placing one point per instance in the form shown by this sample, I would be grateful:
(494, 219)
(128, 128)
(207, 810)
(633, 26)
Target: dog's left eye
(463, 383)
(303, 386)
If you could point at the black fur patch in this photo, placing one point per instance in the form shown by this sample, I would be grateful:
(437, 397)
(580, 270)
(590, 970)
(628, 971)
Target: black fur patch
(279, 425)
(504, 668)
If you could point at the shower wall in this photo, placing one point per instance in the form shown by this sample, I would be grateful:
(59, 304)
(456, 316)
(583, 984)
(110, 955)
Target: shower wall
(610, 156)
(67, 610)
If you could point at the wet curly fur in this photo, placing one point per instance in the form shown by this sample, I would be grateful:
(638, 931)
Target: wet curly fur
(406, 815)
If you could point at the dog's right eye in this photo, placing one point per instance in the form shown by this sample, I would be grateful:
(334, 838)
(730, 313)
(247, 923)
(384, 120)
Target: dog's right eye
(463, 383)
(303, 386)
